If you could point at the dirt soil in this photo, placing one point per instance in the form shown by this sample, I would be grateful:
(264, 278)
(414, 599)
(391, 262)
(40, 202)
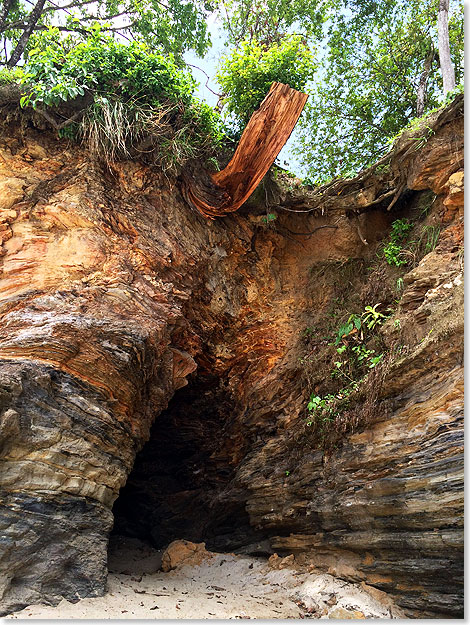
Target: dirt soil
(223, 586)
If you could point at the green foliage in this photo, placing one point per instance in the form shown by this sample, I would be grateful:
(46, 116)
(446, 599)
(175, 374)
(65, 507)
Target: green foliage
(459, 90)
(418, 125)
(363, 83)
(324, 410)
(393, 251)
(356, 360)
(171, 26)
(135, 93)
(247, 73)
(366, 90)
(11, 76)
(384, 168)
(352, 324)
(268, 21)
(60, 69)
(399, 251)
(393, 254)
(400, 229)
(72, 132)
(371, 317)
(212, 164)
(268, 218)
(429, 238)
(423, 139)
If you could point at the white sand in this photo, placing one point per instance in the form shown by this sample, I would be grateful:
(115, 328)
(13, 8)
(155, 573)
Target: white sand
(223, 587)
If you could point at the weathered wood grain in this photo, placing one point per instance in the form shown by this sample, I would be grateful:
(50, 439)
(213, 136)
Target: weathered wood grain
(262, 140)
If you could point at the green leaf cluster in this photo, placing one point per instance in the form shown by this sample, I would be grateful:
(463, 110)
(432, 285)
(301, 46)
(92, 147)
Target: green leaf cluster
(11, 76)
(371, 317)
(324, 410)
(128, 91)
(247, 73)
(354, 321)
(393, 250)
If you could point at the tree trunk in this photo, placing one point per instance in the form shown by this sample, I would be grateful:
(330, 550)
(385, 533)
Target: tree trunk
(447, 69)
(262, 140)
(423, 83)
(23, 40)
(4, 12)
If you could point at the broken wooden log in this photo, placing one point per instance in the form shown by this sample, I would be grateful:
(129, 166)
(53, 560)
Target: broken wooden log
(266, 133)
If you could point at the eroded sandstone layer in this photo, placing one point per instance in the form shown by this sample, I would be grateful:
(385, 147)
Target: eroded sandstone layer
(113, 293)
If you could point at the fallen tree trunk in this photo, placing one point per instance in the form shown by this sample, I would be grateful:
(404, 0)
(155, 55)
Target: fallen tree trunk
(262, 140)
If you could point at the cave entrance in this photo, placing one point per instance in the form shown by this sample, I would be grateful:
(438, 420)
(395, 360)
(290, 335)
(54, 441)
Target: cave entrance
(181, 485)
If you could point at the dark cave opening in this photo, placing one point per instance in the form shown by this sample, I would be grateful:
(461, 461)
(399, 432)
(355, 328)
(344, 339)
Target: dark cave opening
(181, 485)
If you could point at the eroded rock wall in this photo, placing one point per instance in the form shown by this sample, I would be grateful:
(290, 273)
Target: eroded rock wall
(110, 288)
(113, 292)
(386, 506)
(92, 290)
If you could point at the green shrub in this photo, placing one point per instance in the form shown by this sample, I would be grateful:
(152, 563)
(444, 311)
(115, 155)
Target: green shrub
(352, 364)
(400, 229)
(130, 93)
(324, 410)
(393, 251)
(60, 69)
(248, 72)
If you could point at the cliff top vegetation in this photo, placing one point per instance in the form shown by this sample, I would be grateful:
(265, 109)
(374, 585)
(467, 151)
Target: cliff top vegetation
(368, 67)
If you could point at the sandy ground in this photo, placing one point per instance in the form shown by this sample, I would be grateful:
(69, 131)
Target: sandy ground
(223, 587)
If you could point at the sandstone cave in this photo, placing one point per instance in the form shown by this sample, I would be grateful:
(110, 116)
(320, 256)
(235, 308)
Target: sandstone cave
(178, 377)
(180, 485)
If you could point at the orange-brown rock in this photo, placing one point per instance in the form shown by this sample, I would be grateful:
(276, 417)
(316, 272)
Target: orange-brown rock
(343, 614)
(277, 563)
(113, 294)
(184, 553)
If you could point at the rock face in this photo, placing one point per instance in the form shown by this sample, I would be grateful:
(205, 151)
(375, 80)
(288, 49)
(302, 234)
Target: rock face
(184, 553)
(113, 294)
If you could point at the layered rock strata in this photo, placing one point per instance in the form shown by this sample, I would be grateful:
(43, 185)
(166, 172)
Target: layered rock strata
(113, 292)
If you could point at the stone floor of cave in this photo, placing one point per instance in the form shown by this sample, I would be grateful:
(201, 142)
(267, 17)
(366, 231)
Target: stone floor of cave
(222, 586)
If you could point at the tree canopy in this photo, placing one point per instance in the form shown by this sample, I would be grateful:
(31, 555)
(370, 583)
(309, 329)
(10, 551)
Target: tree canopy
(268, 21)
(170, 25)
(381, 61)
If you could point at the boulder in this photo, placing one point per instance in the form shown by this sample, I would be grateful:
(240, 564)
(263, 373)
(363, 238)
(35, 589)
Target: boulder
(184, 553)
